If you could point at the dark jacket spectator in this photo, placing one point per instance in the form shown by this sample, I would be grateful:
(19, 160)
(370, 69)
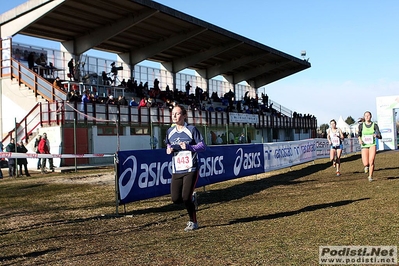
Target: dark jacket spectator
(22, 162)
(11, 161)
(31, 60)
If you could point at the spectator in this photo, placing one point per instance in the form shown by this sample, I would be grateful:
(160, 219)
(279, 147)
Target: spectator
(265, 100)
(106, 79)
(41, 61)
(143, 102)
(110, 100)
(198, 94)
(44, 148)
(57, 83)
(122, 100)
(114, 71)
(31, 60)
(156, 84)
(153, 142)
(22, 162)
(71, 71)
(188, 87)
(85, 100)
(242, 138)
(94, 98)
(129, 86)
(145, 87)
(150, 102)
(11, 161)
(51, 68)
(72, 96)
(140, 89)
(86, 97)
(133, 102)
(169, 104)
(135, 86)
(219, 140)
(36, 147)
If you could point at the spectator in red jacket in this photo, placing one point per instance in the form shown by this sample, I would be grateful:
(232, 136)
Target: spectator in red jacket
(143, 102)
(44, 148)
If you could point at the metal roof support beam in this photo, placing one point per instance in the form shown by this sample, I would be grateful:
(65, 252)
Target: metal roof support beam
(229, 78)
(257, 71)
(102, 34)
(230, 65)
(138, 55)
(185, 62)
(267, 79)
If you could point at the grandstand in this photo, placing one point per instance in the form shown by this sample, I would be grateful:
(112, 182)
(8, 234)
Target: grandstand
(221, 61)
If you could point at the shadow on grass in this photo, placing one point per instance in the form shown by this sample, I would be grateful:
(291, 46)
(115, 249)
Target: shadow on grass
(386, 168)
(34, 254)
(250, 187)
(45, 224)
(295, 212)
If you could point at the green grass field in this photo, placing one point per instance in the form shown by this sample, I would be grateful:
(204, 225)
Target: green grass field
(277, 218)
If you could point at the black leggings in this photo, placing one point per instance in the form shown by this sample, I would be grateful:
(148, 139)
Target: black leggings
(182, 188)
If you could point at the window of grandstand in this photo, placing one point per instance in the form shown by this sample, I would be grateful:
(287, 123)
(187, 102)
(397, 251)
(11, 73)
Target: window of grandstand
(108, 131)
(139, 131)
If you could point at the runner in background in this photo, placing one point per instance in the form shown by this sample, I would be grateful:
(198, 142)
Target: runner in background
(368, 133)
(335, 137)
(184, 142)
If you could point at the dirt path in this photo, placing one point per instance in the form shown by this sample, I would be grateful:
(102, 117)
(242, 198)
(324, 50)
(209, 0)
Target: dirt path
(86, 178)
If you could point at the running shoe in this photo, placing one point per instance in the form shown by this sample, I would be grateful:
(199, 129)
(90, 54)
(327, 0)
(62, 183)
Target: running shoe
(338, 173)
(191, 226)
(334, 163)
(366, 170)
(370, 179)
(195, 200)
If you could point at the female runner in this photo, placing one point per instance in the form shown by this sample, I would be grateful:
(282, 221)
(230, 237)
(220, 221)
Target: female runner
(184, 142)
(368, 133)
(335, 137)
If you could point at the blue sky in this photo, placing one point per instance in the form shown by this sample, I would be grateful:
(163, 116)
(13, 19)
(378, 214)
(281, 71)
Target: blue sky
(353, 47)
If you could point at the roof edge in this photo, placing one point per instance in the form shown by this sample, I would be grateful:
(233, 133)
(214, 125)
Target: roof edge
(21, 10)
(196, 21)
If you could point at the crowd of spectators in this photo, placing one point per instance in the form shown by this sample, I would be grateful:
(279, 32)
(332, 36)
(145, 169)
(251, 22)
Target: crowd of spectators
(299, 115)
(146, 96)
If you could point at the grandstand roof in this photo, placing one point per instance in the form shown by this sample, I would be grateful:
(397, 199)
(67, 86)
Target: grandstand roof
(140, 30)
